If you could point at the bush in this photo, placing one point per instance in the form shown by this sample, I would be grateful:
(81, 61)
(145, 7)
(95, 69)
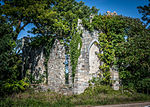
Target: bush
(9, 87)
(144, 86)
(95, 90)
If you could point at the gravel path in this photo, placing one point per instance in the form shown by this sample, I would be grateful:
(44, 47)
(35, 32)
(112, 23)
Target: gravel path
(145, 104)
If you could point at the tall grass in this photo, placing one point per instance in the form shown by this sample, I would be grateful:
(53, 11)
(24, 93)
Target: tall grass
(99, 95)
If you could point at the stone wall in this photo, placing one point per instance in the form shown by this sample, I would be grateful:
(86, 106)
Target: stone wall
(88, 62)
(83, 74)
(56, 67)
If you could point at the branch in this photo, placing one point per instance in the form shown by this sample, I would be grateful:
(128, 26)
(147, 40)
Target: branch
(18, 29)
(23, 26)
(19, 24)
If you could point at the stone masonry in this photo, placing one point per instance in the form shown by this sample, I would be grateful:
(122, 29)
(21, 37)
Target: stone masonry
(56, 67)
(88, 61)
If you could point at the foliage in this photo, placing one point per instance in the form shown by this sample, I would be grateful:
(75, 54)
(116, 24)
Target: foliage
(55, 19)
(124, 45)
(20, 13)
(100, 80)
(8, 55)
(10, 67)
(63, 22)
(123, 41)
(75, 51)
(9, 86)
(33, 79)
(94, 90)
(144, 85)
(145, 11)
(44, 43)
(134, 58)
(112, 33)
(63, 26)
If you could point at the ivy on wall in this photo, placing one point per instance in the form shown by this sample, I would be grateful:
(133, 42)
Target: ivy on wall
(112, 33)
(75, 51)
(112, 28)
(107, 56)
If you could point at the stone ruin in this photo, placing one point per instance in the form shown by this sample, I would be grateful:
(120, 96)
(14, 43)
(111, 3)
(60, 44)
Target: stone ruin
(87, 67)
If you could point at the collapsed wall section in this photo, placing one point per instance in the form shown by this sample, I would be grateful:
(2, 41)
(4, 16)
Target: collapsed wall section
(34, 66)
(33, 63)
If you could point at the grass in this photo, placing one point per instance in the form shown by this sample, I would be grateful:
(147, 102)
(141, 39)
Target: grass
(100, 95)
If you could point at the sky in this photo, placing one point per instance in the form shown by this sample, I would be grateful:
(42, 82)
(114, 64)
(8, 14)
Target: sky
(122, 7)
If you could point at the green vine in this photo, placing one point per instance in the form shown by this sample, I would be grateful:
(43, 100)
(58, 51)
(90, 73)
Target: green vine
(107, 56)
(75, 50)
(112, 34)
(87, 25)
(112, 28)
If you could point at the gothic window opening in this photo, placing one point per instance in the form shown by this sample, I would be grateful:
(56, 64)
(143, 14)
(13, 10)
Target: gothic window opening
(94, 61)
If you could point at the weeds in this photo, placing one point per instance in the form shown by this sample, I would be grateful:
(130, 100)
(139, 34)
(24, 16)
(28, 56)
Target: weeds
(99, 95)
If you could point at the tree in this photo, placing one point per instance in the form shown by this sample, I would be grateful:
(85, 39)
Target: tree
(134, 56)
(68, 13)
(6, 49)
(124, 42)
(20, 13)
(52, 18)
(145, 11)
(10, 65)
(54, 14)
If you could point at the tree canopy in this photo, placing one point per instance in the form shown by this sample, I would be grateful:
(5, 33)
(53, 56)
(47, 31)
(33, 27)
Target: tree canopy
(145, 11)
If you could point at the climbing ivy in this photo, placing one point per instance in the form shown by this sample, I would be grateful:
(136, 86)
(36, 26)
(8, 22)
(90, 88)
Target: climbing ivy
(87, 25)
(62, 24)
(75, 50)
(107, 56)
(112, 32)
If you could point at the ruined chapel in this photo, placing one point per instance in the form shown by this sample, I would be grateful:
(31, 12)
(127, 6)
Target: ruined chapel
(87, 67)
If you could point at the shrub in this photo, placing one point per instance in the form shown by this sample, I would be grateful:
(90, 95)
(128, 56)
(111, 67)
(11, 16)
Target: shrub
(9, 87)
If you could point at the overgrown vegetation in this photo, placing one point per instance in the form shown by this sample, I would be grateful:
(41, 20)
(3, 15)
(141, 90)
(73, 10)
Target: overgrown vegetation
(112, 28)
(56, 19)
(134, 58)
(99, 95)
(10, 65)
(124, 46)
(75, 51)
(45, 42)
